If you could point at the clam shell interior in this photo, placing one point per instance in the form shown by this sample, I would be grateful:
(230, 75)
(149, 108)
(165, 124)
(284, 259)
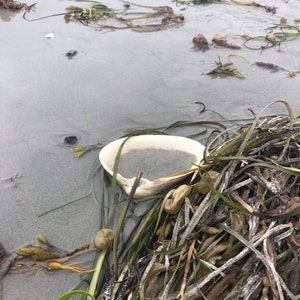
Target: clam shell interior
(164, 160)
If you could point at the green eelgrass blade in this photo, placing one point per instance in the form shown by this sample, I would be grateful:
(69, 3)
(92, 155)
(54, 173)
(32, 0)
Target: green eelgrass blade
(121, 221)
(76, 292)
(116, 167)
(98, 267)
(225, 199)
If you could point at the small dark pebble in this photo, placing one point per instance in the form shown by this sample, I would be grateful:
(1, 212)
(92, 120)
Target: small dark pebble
(70, 54)
(70, 140)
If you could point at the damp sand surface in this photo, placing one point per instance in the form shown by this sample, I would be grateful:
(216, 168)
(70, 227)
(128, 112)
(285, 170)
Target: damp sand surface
(120, 80)
(154, 163)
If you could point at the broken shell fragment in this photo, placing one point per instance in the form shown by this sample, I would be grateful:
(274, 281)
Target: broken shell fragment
(104, 238)
(175, 199)
(211, 176)
(50, 36)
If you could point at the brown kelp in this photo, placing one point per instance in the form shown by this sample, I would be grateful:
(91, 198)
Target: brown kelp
(43, 255)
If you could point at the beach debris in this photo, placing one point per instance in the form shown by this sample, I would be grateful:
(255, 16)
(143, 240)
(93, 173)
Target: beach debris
(11, 4)
(70, 140)
(145, 151)
(222, 42)
(104, 239)
(236, 220)
(273, 68)
(43, 255)
(100, 16)
(50, 35)
(196, 2)
(275, 37)
(71, 53)
(225, 69)
(292, 74)
(267, 66)
(175, 198)
(6, 261)
(283, 21)
(210, 177)
(239, 222)
(81, 150)
(200, 42)
(271, 9)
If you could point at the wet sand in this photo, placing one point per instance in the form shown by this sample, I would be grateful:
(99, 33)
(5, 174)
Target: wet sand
(154, 163)
(119, 80)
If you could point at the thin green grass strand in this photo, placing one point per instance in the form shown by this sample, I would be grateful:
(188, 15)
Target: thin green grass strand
(76, 292)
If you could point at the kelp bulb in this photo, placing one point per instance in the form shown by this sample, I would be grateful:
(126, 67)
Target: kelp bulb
(175, 199)
(104, 238)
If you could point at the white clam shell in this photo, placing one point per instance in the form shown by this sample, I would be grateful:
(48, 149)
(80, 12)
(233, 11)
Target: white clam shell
(147, 187)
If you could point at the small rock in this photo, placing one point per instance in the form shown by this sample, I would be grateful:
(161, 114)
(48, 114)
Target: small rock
(70, 54)
(70, 140)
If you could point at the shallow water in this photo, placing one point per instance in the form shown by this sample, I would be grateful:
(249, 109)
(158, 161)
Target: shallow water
(154, 163)
(119, 80)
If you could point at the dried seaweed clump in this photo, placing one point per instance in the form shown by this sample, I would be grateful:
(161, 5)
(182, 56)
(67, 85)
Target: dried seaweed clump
(225, 69)
(11, 4)
(200, 42)
(222, 42)
(267, 66)
(101, 16)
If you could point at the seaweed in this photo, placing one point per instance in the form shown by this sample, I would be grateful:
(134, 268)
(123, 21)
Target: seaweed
(273, 38)
(271, 9)
(100, 16)
(267, 66)
(200, 42)
(232, 230)
(225, 69)
(222, 42)
(236, 221)
(43, 255)
(13, 5)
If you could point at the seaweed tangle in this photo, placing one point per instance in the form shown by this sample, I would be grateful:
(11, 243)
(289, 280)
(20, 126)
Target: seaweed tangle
(100, 16)
(225, 69)
(230, 231)
(233, 230)
(11, 4)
